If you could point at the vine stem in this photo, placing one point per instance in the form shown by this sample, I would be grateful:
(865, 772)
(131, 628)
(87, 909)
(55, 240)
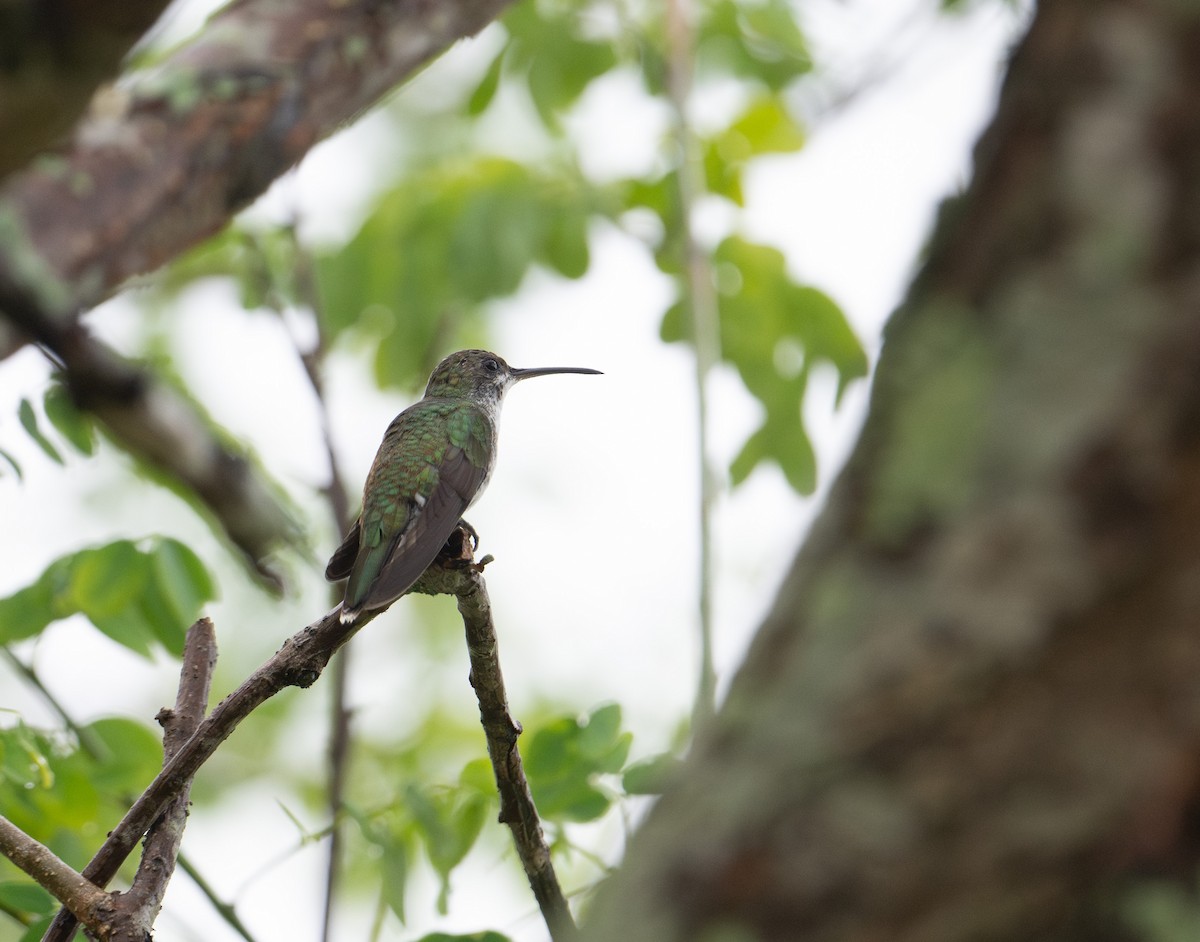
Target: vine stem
(700, 301)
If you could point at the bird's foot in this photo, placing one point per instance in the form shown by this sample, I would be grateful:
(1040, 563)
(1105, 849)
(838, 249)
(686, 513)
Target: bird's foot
(471, 532)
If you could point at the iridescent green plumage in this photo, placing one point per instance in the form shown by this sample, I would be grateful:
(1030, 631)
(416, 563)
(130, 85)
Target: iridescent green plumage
(435, 459)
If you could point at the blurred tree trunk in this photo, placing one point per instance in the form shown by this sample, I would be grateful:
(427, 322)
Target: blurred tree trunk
(974, 711)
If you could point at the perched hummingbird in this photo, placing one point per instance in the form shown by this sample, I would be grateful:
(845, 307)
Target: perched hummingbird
(435, 459)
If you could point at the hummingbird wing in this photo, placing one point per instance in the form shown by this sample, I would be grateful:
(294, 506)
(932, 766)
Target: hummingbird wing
(343, 557)
(403, 527)
(391, 571)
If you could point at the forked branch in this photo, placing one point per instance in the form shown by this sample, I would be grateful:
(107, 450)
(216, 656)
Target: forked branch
(128, 917)
(299, 662)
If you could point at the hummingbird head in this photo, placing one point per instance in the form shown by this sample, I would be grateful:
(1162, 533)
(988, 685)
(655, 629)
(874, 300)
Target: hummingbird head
(483, 376)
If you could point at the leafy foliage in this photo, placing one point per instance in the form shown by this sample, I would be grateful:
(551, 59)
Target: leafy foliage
(773, 331)
(574, 766)
(61, 789)
(439, 244)
(649, 776)
(58, 791)
(137, 595)
(565, 759)
(29, 422)
(549, 51)
(554, 54)
(759, 41)
(68, 421)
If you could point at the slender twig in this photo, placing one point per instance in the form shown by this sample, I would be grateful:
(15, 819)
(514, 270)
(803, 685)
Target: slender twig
(79, 895)
(340, 737)
(225, 910)
(88, 741)
(699, 297)
(516, 803)
(340, 733)
(139, 906)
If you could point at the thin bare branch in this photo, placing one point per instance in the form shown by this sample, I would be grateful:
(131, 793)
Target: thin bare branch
(138, 908)
(341, 731)
(299, 663)
(516, 803)
(96, 749)
(82, 898)
(224, 909)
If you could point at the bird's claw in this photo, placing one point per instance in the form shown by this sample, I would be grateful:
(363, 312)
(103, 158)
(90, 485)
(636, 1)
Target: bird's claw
(471, 532)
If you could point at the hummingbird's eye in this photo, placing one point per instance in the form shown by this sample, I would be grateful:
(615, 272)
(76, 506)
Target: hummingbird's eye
(491, 366)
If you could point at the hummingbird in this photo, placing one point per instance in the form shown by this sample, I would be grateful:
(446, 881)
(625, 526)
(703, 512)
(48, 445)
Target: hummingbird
(435, 460)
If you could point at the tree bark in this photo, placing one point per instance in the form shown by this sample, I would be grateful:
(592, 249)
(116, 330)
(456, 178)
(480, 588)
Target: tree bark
(53, 54)
(974, 710)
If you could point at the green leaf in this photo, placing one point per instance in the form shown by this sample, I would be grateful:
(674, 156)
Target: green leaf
(25, 897)
(135, 755)
(183, 581)
(485, 91)
(648, 776)
(26, 612)
(765, 127)
(601, 740)
(30, 423)
(722, 175)
(773, 331)
(395, 870)
(13, 462)
(566, 242)
(134, 596)
(479, 775)
(752, 39)
(26, 758)
(487, 935)
(395, 853)
(72, 424)
(565, 757)
(449, 821)
(439, 245)
(53, 787)
(107, 579)
(128, 627)
(560, 63)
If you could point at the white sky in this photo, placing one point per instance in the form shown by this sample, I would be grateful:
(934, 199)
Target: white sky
(591, 511)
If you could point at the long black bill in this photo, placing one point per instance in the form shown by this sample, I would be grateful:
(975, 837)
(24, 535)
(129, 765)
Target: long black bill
(547, 370)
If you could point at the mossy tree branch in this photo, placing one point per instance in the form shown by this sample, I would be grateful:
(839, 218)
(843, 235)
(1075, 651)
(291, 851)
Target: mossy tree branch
(52, 58)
